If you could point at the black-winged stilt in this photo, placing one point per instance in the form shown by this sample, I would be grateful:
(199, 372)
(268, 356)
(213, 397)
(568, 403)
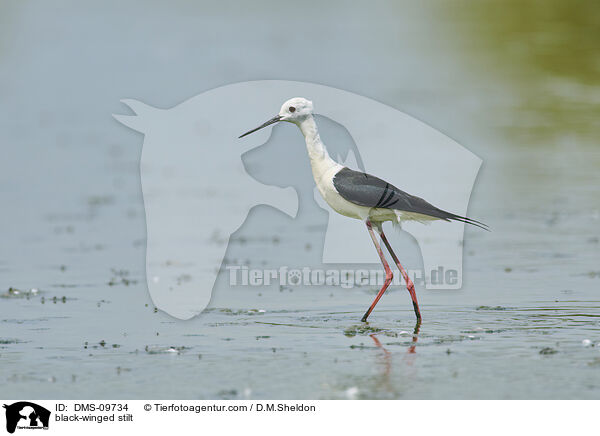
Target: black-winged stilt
(359, 195)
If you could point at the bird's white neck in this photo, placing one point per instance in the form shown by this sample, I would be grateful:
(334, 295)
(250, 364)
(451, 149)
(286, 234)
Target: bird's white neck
(320, 161)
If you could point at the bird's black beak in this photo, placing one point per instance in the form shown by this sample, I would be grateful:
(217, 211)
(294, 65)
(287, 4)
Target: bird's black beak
(268, 123)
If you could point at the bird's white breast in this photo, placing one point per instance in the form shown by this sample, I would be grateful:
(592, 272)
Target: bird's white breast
(323, 175)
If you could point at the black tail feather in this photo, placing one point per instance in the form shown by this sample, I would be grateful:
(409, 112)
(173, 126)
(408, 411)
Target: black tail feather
(463, 219)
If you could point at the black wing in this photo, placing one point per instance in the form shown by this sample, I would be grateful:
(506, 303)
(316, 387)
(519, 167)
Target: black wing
(370, 191)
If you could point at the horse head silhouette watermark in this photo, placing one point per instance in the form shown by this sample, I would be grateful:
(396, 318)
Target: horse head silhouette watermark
(197, 191)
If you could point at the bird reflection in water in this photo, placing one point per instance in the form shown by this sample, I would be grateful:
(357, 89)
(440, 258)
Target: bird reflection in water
(386, 357)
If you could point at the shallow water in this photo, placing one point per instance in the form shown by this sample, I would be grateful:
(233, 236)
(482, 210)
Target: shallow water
(74, 229)
(322, 351)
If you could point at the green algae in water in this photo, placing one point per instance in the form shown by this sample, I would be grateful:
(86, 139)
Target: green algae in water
(18, 293)
(363, 329)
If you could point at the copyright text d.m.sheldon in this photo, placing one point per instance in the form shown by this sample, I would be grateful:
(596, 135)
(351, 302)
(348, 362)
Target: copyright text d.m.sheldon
(248, 407)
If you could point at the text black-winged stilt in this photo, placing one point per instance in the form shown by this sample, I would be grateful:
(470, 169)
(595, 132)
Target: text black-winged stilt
(359, 195)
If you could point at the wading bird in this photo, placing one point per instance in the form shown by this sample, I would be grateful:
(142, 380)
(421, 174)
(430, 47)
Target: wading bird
(359, 195)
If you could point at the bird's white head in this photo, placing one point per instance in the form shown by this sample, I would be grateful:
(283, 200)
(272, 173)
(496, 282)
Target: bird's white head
(295, 110)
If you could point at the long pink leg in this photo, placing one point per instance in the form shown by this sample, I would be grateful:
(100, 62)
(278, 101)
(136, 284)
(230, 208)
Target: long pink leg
(409, 284)
(388, 272)
(411, 349)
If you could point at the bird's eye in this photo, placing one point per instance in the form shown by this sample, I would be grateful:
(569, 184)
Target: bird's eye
(292, 109)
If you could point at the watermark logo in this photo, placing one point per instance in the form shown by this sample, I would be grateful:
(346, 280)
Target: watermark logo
(26, 415)
(198, 192)
(345, 278)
